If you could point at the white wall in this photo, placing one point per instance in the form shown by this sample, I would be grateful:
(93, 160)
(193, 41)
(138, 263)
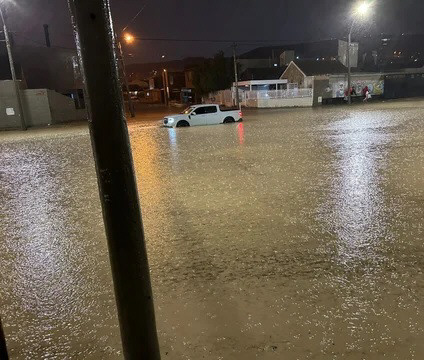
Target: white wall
(281, 103)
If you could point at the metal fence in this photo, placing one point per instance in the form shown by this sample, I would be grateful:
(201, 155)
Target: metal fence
(223, 97)
(277, 94)
(226, 97)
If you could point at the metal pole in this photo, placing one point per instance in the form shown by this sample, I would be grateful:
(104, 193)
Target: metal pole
(12, 71)
(124, 74)
(236, 76)
(349, 94)
(167, 87)
(165, 97)
(47, 35)
(115, 172)
(349, 75)
(3, 348)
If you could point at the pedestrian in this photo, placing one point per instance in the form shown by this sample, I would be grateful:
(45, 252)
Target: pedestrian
(365, 93)
(353, 91)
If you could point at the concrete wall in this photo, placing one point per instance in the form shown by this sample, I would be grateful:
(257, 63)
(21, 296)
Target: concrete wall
(280, 103)
(63, 108)
(36, 107)
(8, 105)
(321, 91)
(374, 81)
(41, 107)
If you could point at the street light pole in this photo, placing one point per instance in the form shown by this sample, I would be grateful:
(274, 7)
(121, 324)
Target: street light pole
(349, 72)
(236, 75)
(124, 74)
(13, 72)
(362, 8)
(116, 179)
(166, 86)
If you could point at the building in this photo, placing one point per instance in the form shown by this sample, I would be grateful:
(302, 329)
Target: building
(304, 72)
(273, 56)
(267, 73)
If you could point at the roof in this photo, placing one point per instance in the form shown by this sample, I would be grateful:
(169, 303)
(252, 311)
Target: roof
(271, 73)
(320, 67)
(323, 48)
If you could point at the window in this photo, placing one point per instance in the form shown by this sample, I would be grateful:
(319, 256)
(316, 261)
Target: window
(210, 109)
(200, 110)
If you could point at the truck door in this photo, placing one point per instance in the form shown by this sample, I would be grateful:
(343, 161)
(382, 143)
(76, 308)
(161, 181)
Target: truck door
(212, 115)
(198, 116)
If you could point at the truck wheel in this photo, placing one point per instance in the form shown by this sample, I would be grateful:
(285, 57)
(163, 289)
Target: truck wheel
(229, 120)
(183, 123)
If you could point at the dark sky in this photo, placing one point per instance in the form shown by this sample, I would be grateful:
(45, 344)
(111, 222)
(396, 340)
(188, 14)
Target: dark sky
(253, 20)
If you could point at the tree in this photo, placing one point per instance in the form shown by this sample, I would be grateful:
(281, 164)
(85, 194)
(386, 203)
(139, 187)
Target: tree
(213, 75)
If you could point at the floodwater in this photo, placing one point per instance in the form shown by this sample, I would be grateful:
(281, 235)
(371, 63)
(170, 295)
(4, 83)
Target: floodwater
(297, 234)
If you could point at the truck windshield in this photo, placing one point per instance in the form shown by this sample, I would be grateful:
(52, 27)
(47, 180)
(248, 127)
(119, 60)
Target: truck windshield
(188, 110)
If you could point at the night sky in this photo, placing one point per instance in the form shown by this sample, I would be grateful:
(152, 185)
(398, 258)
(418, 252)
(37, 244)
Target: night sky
(252, 20)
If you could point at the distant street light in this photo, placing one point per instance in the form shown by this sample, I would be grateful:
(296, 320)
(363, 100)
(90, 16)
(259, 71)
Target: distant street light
(129, 39)
(361, 10)
(12, 71)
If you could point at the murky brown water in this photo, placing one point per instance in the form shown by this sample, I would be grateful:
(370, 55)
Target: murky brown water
(296, 235)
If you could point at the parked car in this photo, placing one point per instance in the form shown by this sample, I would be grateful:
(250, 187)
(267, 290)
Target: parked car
(204, 115)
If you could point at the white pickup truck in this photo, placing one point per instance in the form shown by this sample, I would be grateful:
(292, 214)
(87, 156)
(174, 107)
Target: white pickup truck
(203, 115)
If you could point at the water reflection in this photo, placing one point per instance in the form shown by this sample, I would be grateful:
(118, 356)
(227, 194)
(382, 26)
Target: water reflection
(240, 130)
(357, 201)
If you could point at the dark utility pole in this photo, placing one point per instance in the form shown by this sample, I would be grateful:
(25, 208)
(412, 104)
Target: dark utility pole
(13, 72)
(3, 348)
(168, 98)
(47, 35)
(236, 75)
(115, 172)
(165, 93)
(349, 71)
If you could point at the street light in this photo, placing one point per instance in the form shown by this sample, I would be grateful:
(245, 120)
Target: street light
(361, 10)
(12, 70)
(129, 39)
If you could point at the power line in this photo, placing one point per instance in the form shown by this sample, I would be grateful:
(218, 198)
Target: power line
(214, 40)
(135, 17)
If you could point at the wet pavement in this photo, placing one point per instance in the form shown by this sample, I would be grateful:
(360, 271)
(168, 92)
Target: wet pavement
(297, 234)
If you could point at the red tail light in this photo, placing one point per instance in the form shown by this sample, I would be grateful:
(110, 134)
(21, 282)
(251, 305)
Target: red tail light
(241, 114)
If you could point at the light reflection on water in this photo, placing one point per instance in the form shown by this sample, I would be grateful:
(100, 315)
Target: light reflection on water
(357, 199)
(242, 267)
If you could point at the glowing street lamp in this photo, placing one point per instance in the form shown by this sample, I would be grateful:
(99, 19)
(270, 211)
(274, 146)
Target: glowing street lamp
(361, 10)
(129, 38)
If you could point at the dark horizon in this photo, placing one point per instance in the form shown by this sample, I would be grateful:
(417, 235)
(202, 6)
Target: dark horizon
(251, 20)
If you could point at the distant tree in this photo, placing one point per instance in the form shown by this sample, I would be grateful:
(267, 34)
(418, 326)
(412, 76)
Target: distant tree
(213, 75)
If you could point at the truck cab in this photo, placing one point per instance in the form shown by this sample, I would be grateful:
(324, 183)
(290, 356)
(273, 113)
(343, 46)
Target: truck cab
(207, 114)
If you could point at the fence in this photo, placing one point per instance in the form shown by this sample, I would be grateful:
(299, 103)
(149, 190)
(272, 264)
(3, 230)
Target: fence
(223, 97)
(263, 98)
(277, 94)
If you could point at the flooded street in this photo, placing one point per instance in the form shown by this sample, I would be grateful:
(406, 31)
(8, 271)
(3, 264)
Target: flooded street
(297, 234)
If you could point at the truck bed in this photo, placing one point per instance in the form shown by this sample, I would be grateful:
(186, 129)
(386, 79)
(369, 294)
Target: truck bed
(225, 108)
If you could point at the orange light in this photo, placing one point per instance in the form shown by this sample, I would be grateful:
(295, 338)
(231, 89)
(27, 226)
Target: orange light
(129, 38)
